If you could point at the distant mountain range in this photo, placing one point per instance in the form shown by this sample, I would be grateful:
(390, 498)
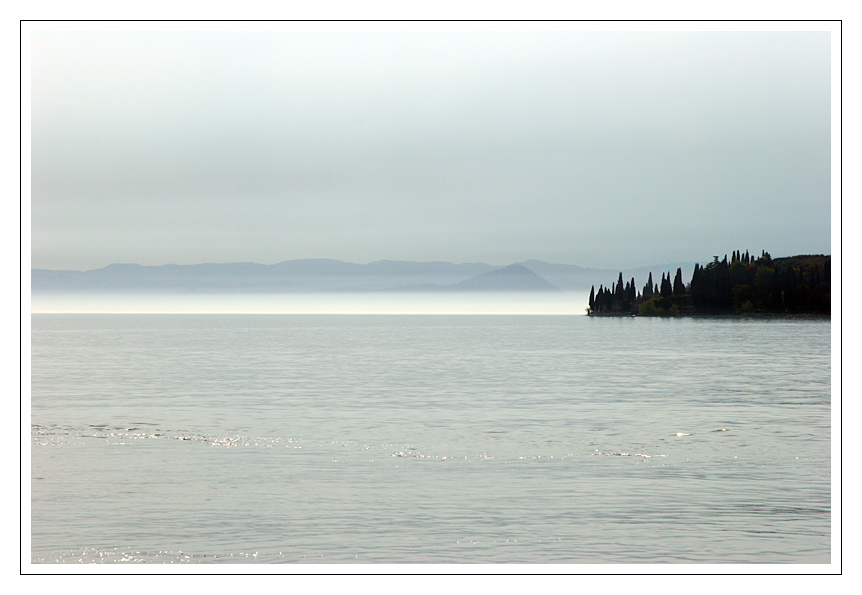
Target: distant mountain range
(325, 275)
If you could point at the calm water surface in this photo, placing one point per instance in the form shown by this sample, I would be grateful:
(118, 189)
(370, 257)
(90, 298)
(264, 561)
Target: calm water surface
(429, 439)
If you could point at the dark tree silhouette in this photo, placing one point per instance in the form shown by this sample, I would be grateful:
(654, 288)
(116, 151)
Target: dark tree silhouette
(678, 285)
(793, 285)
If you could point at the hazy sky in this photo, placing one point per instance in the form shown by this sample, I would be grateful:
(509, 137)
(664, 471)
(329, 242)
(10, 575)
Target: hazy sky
(598, 149)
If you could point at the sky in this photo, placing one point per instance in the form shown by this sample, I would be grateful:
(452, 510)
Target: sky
(600, 149)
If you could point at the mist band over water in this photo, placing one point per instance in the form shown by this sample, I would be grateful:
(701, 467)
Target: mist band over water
(540, 303)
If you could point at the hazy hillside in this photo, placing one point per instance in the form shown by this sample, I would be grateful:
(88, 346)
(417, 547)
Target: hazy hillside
(294, 275)
(511, 278)
(315, 275)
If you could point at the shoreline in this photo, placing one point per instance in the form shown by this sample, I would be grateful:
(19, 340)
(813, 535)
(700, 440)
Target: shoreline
(711, 315)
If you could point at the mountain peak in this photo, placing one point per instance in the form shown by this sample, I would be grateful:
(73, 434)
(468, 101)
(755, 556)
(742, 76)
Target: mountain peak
(514, 277)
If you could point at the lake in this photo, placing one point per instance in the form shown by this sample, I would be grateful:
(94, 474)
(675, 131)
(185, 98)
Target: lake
(537, 439)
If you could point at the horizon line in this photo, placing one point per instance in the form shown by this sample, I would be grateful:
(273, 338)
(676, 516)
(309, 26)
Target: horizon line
(383, 260)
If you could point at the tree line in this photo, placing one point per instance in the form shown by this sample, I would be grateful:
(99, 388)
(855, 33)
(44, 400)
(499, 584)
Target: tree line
(741, 285)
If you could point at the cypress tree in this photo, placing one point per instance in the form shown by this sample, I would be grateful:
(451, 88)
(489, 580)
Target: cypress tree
(678, 285)
(647, 292)
(666, 288)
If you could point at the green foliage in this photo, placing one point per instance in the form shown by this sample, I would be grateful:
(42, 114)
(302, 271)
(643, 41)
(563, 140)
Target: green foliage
(740, 273)
(649, 308)
(742, 294)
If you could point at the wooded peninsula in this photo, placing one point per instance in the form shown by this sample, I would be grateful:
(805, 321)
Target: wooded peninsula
(793, 285)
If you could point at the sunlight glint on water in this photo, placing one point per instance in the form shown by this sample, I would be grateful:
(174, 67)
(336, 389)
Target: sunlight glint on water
(537, 439)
